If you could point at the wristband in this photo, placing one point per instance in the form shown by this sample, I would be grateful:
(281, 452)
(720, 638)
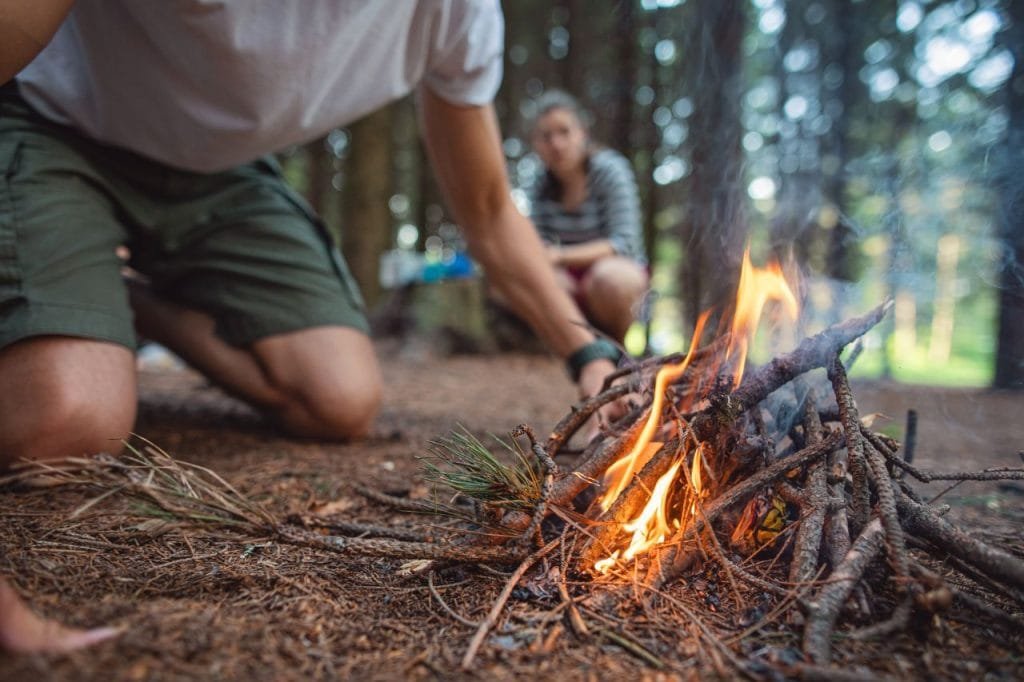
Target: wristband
(595, 350)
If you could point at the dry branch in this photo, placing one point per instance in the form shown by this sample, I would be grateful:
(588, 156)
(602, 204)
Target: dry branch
(823, 610)
(992, 561)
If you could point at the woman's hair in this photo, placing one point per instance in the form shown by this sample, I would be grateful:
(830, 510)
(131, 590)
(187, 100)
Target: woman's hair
(550, 186)
(556, 99)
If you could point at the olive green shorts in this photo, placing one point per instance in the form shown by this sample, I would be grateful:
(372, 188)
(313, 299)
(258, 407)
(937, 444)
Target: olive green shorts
(239, 245)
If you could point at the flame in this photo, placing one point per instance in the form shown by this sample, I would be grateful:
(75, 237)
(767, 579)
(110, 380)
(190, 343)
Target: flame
(618, 476)
(651, 526)
(757, 286)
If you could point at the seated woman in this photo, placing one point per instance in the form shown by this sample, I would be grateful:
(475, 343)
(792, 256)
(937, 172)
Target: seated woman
(585, 206)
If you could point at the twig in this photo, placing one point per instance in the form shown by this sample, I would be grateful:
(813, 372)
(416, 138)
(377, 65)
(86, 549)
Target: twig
(499, 604)
(991, 474)
(364, 529)
(579, 414)
(738, 493)
(812, 352)
(910, 437)
(813, 504)
(550, 469)
(823, 610)
(629, 645)
(861, 494)
(628, 504)
(395, 549)
(992, 561)
(451, 612)
(398, 503)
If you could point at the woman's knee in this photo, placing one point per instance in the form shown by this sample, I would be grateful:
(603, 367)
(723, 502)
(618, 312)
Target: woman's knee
(615, 279)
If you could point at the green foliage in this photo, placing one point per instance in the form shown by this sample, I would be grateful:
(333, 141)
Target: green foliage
(461, 462)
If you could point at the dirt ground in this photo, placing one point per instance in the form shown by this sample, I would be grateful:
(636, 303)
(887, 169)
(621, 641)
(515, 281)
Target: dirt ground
(197, 604)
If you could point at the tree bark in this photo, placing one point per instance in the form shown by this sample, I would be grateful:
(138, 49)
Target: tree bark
(366, 224)
(1009, 371)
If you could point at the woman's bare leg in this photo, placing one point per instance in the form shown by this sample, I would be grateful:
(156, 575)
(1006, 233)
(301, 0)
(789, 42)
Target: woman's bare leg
(613, 289)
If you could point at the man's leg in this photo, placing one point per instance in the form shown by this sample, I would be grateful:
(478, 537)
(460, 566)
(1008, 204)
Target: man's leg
(62, 396)
(320, 382)
(613, 288)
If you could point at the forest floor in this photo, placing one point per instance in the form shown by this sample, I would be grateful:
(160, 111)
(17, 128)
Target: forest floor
(202, 604)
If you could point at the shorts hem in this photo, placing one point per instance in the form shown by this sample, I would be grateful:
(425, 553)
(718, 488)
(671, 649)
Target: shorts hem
(242, 332)
(90, 325)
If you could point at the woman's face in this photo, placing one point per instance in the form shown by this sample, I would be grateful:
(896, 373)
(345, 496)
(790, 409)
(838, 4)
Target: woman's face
(560, 141)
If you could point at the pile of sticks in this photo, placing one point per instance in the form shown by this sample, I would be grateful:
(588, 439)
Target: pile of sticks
(846, 485)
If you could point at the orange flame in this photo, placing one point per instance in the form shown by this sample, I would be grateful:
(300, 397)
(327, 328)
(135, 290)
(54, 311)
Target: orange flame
(618, 476)
(756, 287)
(651, 526)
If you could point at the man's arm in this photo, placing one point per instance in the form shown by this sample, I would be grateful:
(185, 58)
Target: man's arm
(25, 29)
(464, 146)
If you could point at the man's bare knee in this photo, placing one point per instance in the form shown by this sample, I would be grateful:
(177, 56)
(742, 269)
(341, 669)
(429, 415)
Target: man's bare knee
(74, 423)
(63, 396)
(341, 412)
(325, 381)
(349, 415)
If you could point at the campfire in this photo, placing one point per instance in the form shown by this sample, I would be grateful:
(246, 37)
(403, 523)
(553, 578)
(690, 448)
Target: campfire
(767, 473)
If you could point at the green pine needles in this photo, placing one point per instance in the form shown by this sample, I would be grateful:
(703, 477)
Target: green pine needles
(464, 464)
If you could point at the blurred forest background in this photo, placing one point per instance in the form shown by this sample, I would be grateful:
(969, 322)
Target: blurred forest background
(878, 144)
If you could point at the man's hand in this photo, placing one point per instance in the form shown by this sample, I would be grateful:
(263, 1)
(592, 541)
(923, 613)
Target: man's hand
(592, 378)
(464, 146)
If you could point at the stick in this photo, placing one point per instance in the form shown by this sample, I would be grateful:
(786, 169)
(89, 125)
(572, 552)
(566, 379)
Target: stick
(813, 504)
(994, 562)
(993, 474)
(395, 549)
(813, 352)
(861, 502)
(580, 413)
(550, 469)
(629, 502)
(910, 437)
(449, 610)
(823, 611)
(499, 604)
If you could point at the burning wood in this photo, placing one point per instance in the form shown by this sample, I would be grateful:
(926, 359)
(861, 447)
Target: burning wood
(695, 475)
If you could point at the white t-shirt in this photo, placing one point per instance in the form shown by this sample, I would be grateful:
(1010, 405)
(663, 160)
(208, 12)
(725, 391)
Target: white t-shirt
(205, 85)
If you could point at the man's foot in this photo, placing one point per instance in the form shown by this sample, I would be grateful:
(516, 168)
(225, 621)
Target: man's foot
(22, 631)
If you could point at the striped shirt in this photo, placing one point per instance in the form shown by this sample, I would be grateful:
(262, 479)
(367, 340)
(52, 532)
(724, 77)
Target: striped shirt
(611, 209)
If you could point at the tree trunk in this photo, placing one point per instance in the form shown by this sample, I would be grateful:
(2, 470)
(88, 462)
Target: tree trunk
(625, 79)
(1010, 192)
(366, 224)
